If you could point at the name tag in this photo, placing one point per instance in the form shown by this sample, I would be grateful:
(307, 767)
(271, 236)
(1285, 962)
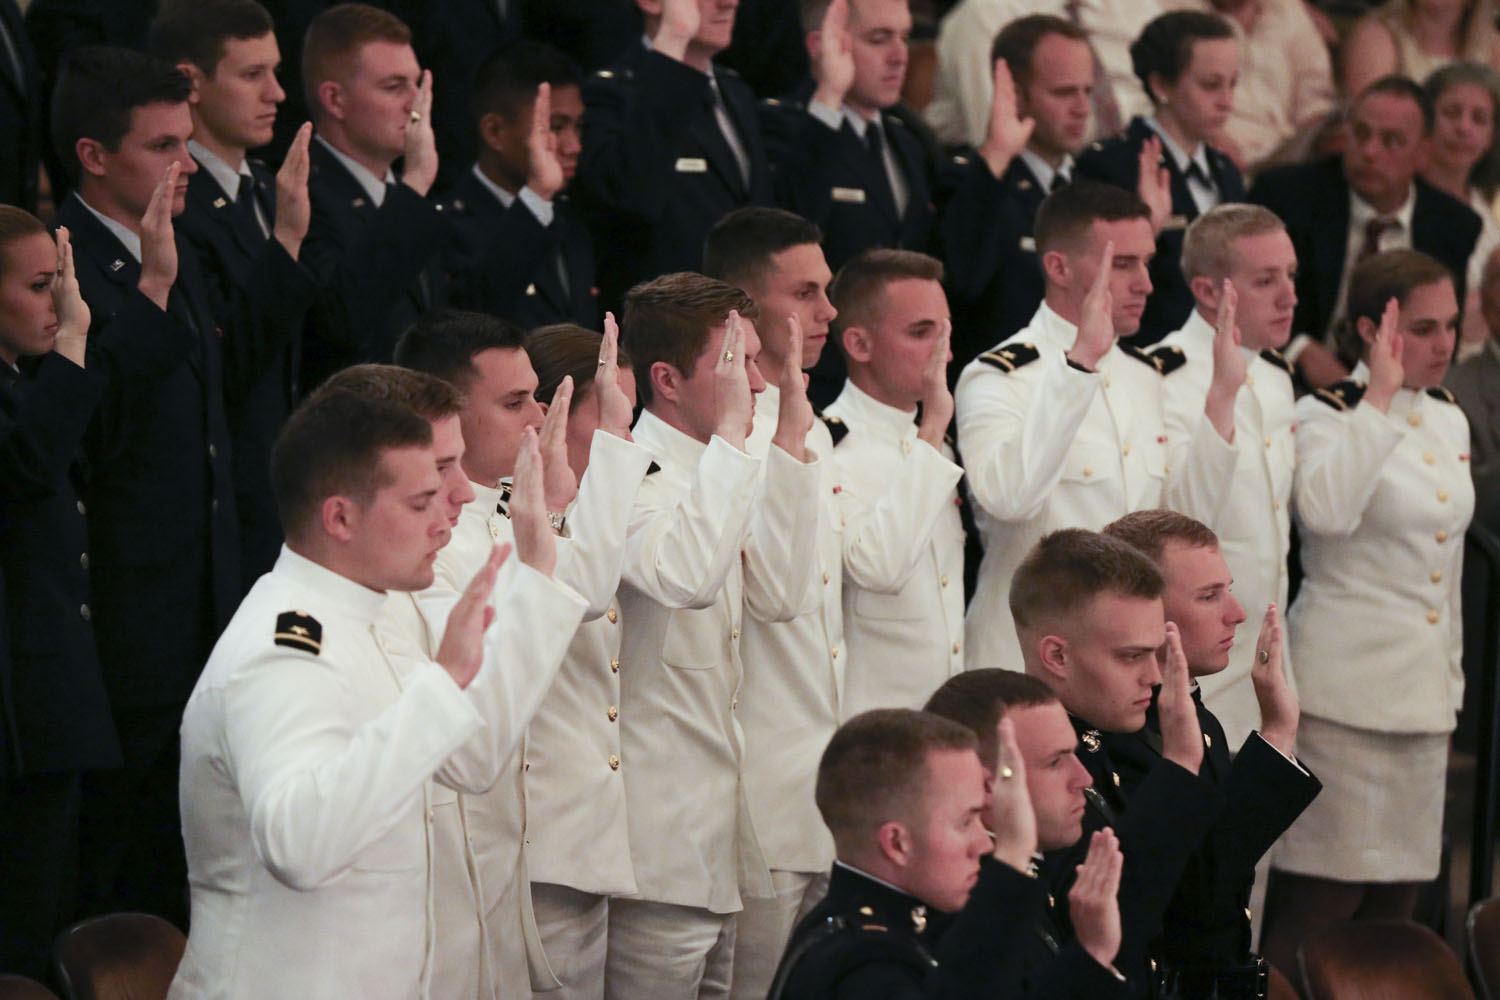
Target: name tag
(692, 165)
(854, 196)
(1028, 243)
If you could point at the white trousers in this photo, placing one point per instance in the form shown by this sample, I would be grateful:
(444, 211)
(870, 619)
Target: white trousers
(766, 925)
(661, 951)
(574, 927)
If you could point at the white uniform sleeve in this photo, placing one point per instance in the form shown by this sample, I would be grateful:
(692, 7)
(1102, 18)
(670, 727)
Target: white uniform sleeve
(589, 559)
(885, 536)
(1339, 457)
(1014, 430)
(1201, 465)
(781, 553)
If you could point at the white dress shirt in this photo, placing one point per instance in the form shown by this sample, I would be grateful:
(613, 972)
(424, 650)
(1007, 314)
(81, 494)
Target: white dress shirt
(373, 186)
(227, 177)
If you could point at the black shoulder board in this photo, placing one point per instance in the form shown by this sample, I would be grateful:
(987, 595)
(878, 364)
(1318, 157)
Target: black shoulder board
(1278, 359)
(1143, 357)
(836, 427)
(1342, 395)
(652, 469)
(1168, 359)
(1438, 392)
(299, 630)
(1009, 357)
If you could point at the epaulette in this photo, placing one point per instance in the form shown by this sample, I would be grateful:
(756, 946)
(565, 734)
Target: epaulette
(1278, 359)
(893, 120)
(1343, 395)
(1439, 392)
(652, 469)
(610, 74)
(1168, 359)
(299, 630)
(1144, 357)
(1009, 357)
(836, 428)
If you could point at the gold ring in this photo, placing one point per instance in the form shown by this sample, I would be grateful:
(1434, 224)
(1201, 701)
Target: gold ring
(1006, 774)
(416, 116)
(728, 357)
(602, 362)
(1264, 656)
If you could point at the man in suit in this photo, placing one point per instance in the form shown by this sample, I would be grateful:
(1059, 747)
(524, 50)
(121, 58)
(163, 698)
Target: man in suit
(922, 902)
(227, 48)
(374, 241)
(519, 249)
(22, 118)
(161, 505)
(670, 145)
(1204, 945)
(1341, 210)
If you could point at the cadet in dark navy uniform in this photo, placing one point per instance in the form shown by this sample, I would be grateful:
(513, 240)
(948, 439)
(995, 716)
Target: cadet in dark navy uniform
(1188, 62)
(921, 903)
(519, 249)
(670, 144)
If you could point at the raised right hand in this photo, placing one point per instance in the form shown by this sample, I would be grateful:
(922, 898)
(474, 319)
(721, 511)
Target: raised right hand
(159, 240)
(1181, 733)
(559, 482)
(680, 20)
(733, 400)
(1093, 902)
(293, 205)
(67, 301)
(421, 158)
(461, 652)
(937, 399)
(615, 410)
(536, 542)
(1386, 370)
(833, 69)
(544, 172)
(1096, 325)
(1154, 183)
(1012, 817)
(1008, 132)
(1280, 712)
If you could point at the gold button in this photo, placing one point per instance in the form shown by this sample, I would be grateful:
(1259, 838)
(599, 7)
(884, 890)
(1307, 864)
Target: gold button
(429, 816)
(614, 665)
(1441, 536)
(1268, 442)
(943, 580)
(84, 612)
(81, 508)
(1248, 914)
(1208, 740)
(1437, 576)
(835, 652)
(734, 633)
(1106, 381)
(1442, 496)
(1415, 419)
(956, 647)
(825, 577)
(1116, 776)
(1166, 470)
(1429, 458)
(734, 705)
(1127, 449)
(525, 765)
(614, 762)
(213, 452)
(1432, 617)
(906, 447)
(613, 713)
(83, 560)
(1249, 379)
(1088, 472)
(612, 615)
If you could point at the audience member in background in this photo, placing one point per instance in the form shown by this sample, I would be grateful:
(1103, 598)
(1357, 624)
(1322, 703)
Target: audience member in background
(670, 144)
(23, 114)
(520, 250)
(1341, 210)
(1475, 383)
(1238, 254)
(1189, 63)
(374, 241)
(1383, 497)
(1412, 38)
(1465, 163)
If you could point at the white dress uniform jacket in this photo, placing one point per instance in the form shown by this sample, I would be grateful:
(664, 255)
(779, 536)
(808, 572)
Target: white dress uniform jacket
(481, 841)
(903, 556)
(309, 751)
(1250, 510)
(694, 561)
(1383, 501)
(1048, 446)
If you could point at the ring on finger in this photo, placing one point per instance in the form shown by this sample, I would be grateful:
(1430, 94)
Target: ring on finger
(728, 357)
(416, 116)
(1263, 656)
(1006, 774)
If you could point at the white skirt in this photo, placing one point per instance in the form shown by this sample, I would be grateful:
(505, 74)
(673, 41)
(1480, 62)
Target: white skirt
(1379, 817)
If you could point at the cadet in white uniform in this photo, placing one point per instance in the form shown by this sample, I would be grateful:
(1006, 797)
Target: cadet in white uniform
(713, 532)
(310, 746)
(1383, 498)
(1250, 509)
(903, 538)
(1060, 426)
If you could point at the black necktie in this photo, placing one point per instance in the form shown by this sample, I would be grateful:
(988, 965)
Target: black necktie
(244, 208)
(875, 141)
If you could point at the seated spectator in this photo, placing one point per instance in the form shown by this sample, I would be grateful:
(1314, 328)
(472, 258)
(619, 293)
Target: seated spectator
(1412, 38)
(1465, 162)
(22, 112)
(520, 250)
(1475, 383)
(1341, 210)
(904, 794)
(1189, 63)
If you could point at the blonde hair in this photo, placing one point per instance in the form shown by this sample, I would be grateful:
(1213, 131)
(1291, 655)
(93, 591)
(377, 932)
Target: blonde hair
(1208, 247)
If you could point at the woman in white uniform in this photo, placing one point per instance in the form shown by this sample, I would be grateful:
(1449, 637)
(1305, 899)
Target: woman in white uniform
(1382, 497)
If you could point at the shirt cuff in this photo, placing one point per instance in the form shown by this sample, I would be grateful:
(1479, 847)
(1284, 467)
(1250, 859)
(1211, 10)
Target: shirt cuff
(539, 208)
(834, 119)
(1298, 344)
(1290, 760)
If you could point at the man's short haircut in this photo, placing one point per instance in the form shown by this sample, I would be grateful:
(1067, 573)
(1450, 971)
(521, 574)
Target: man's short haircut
(858, 290)
(443, 343)
(813, 12)
(1067, 215)
(1069, 568)
(334, 38)
(1396, 85)
(874, 770)
(16, 224)
(507, 81)
(1151, 530)
(98, 89)
(740, 246)
(1165, 46)
(331, 445)
(426, 395)
(1374, 282)
(1017, 41)
(563, 349)
(1208, 246)
(979, 699)
(668, 319)
(196, 31)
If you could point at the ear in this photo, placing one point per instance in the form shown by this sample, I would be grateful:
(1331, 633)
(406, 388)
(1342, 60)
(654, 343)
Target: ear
(1156, 88)
(546, 406)
(91, 153)
(1056, 267)
(814, 41)
(651, 8)
(491, 130)
(895, 842)
(195, 76)
(1053, 658)
(858, 344)
(665, 381)
(331, 99)
(337, 518)
(1366, 328)
(1206, 291)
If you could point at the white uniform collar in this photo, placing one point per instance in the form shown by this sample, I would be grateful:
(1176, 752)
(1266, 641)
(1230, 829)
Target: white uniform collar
(863, 406)
(1043, 171)
(1402, 403)
(1181, 158)
(1201, 331)
(668, 445)
(353, 599)
(504, 197)
(373, 186)
(1051, 329)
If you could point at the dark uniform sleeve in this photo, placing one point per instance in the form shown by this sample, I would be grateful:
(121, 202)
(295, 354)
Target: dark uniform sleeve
(41, 440)
(1264, 795)
(491, 268)
(260, 320)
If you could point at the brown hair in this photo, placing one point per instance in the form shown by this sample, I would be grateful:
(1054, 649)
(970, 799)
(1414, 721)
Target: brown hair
(1374, 282)
(668, 319)
(425, 395)
(980, 698)
(857, 289)
(564, 349)
(1067, 215)
(1209, 244)
(1017, 42)
(198, 31)
(15, 224)
(1151, 530)
(334, 38)
(875, 769)
(1068, 568)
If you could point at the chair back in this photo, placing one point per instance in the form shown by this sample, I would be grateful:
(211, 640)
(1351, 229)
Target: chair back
(121, 956)
(1380, 960)
(21, 988)
(1483, 931)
